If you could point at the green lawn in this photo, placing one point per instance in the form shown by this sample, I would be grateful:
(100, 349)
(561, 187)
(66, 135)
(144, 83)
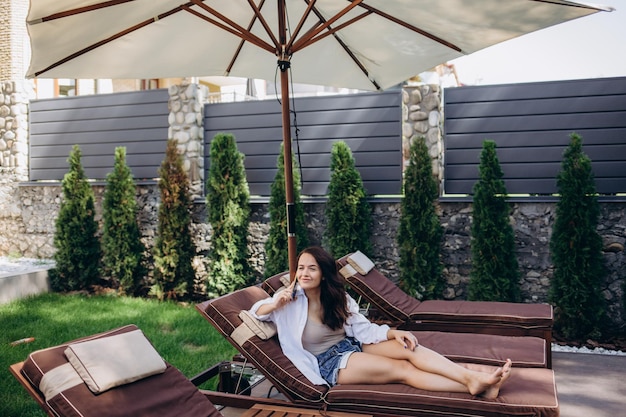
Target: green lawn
(178, 332)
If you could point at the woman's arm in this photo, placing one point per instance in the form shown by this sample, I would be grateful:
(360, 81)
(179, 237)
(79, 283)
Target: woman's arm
(361, 328)
(280, 299)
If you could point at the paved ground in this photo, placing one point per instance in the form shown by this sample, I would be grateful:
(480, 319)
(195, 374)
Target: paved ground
(590, 385)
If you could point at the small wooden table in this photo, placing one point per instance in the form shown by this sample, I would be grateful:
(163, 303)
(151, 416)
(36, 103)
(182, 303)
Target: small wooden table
(265, 410)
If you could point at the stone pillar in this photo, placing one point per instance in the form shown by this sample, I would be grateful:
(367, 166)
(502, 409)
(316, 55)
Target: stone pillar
(187, 127)
(421, 117)
(14, 98)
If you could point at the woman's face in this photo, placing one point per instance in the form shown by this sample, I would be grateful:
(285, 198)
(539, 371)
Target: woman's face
(309, 273)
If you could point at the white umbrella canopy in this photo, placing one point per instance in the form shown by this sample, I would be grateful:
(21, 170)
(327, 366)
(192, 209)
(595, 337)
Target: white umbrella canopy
(360, 44)
(368, 45)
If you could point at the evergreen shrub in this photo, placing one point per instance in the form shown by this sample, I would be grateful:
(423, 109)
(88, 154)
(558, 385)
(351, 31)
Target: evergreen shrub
(348, 213)
(495, 273)
(228, 205)
(77, 245)
(123, 251)
(576, 246)
(420, 232)
(174, 249)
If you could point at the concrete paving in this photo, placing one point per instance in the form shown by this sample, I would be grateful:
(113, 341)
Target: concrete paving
(590, 385)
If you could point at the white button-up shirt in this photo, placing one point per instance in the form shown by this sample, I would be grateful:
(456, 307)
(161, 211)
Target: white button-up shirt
(291, 319)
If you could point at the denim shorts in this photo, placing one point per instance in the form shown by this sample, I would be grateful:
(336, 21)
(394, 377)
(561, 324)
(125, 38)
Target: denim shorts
(336, 358)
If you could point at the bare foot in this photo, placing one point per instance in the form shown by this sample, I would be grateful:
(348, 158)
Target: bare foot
(482, 381)
(493, 391)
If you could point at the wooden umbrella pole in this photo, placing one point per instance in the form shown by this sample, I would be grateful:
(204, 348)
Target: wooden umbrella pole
(291, 214)
(284, 64)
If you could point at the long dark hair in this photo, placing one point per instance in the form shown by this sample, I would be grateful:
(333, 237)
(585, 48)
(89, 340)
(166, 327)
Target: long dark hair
(332, 288)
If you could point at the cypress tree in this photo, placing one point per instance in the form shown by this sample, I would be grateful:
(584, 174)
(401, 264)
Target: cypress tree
(173, 249)
(78, 248)
(495, 273)
(348, 214)
(420, 232)
(276, 248)
(121, 240)
(228, 202)
(576, 248)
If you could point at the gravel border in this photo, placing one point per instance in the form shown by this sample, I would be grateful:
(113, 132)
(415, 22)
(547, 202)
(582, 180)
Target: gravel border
(584, 349)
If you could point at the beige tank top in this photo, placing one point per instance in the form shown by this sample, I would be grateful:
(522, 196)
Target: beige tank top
(318, 338)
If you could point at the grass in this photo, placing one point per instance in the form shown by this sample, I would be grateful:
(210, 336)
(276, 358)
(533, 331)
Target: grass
(178, 333)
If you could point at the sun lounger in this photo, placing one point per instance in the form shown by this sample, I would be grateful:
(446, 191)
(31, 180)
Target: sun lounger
(501, 318)
(528, 392)
(61, 390)
(477, 347)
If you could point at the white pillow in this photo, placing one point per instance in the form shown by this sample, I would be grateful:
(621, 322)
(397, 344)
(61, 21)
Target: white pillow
(115, 360)
(361, 263)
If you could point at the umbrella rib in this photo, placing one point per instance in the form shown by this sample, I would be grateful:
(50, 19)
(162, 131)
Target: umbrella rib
(305, 15)
(78, 10)
(110, 39)
(229, 26)
(243, 41)
(258, 15)
(325, 24)
(409, 26)
(305, 41)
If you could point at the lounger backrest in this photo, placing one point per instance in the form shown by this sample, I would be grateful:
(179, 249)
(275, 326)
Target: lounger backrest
(381, 292)
(275, 282)
(266, 355)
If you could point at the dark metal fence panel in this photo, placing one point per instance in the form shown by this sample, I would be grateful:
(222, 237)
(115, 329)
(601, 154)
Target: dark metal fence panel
(99, 124)
(369, 123)
(531, 124)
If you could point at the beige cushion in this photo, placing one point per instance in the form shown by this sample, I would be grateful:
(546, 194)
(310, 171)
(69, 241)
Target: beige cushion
(285, 280)
(58, 380)
(116, 360)
(360, 262)
(347, 271)
(252, 326)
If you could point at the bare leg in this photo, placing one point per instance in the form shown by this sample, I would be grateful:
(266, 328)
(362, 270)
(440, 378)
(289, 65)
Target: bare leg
(427, 370)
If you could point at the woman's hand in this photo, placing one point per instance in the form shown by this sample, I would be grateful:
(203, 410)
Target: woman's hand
(281, 299)
(406, 339)
(286, 296)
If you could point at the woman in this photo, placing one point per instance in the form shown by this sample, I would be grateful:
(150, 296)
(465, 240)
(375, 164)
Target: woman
(322, 332)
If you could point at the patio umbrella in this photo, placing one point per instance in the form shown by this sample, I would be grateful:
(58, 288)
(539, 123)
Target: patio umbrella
(359, 44)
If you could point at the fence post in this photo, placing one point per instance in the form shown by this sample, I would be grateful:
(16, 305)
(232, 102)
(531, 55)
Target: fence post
(422, 116)
(14, 98)
(186, 120)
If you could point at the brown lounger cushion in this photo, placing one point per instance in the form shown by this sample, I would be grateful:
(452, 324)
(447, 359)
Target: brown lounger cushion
(528, 392)
(487, 349)
(394, 303)
(167, 394)
(266, 355)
